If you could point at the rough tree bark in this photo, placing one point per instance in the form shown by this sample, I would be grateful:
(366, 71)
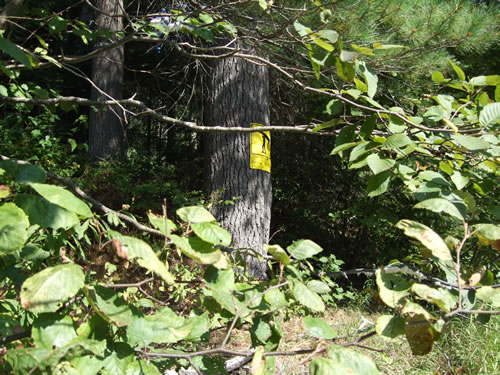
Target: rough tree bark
(106, 126)
(238, 94)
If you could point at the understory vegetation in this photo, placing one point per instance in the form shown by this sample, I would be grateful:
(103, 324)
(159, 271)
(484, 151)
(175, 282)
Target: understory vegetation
(384, 246)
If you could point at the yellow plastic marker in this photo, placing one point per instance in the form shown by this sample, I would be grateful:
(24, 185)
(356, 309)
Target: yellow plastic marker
(260, 149)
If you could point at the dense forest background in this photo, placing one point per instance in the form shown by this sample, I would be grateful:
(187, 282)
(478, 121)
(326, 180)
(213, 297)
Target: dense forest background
(147, 107)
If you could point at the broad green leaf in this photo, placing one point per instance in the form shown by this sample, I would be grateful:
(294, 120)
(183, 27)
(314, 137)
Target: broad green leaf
(57, 24)
(345, 70)
(321, 43)
(331, 35)
(318, 286)
(490, 231)
(87, 364)
(319, 328)
(347, 55)
(301, 29)
(114, 307)
(30, 173)
(260, 332)
(489, 295)
(378, 184)
(371, 78)
(142, 367)
(258, 365)
(436, 113)
(199, 250)
(307, 297)
(263, 4)
(456, 68)
(492, 80)
(276, 299)
(434, 177)
(303, 249)
(490, 115)
(47, 290)
(471, 143)
(15, 52)
(355, 362)
(427, 237)
(459, 180)
(163, 327)
(212, 233)
(343, 147)
(133, 248)
(48, 215)
(367, 127)
(158, 222)
(51, 330)
(8, 325)
(392, 289)
(438, 77)
(396, 141)
(278, 253)
(117, 362)
(334, 107)
(440, 297)
(390, 326)
(62, 197)
(361, 150)
(13, 228)
(440, 205)
(326, 125)
(420, 335)
(325, 366)
(195, 214)
(363, 50)
(378, 164)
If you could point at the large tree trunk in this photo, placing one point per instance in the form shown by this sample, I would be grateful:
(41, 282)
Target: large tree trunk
(107, 125)
(238, 95)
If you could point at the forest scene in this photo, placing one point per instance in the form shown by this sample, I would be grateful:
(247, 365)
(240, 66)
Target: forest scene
(250, 187)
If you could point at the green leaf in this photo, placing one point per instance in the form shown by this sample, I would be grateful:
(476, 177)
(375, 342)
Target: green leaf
(392, 289)
(326, 125)
(134, 248)
(276, 299)
(390, 326)
(378, 164)
(30, 173)
(62, 197)
(263, 4)
(278, 253)
(318, 286)
(355, 363)
(260, 332)
(492, 80)
(343, 147)
(303, 249)
(52, 330)
(114, 307)
(15, 52)
(489, 295)
(212, 233)
(325, 366)
(345, 70)
(456, 68)
(471, 143)
(459, 180)
(48, 215)
(371, 78)
(427, 237)
(490, 231)
(442, 298)
(438, 77)
(163, 327)
(331, 35)
(363, 50)
(199, 250)
(13, 228)
(440, 205)
(420, 336)
(490, 115)
(307, 297)
(396, 141)
(319, 328)
(57, 24)
(195, 214)
(378, 184)
(158, 222)
(47, 290)
(347, 56)
(436, 113)
(301, 29)
(367, 127)
(321, 43)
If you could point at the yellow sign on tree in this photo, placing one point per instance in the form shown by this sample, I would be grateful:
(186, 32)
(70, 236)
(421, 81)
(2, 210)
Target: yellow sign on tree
(260, 149)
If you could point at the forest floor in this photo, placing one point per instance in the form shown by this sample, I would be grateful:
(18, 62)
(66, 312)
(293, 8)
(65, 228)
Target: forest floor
(465, 348)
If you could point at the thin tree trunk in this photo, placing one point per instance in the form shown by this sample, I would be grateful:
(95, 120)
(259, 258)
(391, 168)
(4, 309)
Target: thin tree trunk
(106, 126)
(238, 95)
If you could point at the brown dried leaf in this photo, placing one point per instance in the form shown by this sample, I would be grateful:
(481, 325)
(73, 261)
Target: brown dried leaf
(121, 250)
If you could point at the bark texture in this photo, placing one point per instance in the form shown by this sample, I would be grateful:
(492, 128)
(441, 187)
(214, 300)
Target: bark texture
(107, 125)
(238, 95)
